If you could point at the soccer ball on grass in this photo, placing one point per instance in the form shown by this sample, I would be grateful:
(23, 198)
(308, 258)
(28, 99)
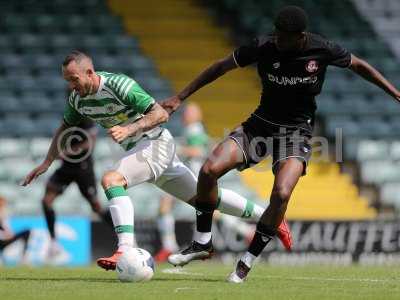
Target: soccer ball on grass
(135, 265)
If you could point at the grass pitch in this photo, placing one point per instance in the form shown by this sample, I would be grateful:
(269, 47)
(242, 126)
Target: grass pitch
(204, 281)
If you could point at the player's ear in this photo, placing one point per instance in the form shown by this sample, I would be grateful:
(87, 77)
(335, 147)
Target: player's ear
(89, 72)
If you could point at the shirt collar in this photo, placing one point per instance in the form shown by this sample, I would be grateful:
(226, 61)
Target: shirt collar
(101, 85)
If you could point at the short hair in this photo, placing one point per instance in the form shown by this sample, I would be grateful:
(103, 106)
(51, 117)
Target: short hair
(291, 19)
(76, 56)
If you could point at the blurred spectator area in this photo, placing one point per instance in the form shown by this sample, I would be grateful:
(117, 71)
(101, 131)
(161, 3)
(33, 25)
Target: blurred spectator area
(35, 36)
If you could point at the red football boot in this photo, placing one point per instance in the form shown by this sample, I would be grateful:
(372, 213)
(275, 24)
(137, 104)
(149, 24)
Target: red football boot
(162, 255)
(109, 263)
(284, 235)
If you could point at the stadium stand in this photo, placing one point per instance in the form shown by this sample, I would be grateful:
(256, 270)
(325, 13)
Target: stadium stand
(35, 37)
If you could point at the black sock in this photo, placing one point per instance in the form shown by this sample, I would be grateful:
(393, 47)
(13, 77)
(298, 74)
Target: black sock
(204, 215)
(50, 217)
(106, 217)
(264, 234)
(204, 221)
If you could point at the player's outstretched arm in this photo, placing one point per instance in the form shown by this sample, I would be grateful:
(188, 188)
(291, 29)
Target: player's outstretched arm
(52, 154)
(155, 116)
(368, 72)
(210, 74)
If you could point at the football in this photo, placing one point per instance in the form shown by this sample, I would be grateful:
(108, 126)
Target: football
(135, 265)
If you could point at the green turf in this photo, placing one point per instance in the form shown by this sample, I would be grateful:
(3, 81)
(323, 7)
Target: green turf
(204, 281)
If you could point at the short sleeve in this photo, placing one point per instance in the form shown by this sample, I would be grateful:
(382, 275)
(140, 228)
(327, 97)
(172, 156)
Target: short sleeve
(71, 115)
(338, 56)
(139, 99)
(131, 94)
(247, 54)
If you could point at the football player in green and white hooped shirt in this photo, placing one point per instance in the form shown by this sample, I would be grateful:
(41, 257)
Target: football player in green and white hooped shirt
(132, 118)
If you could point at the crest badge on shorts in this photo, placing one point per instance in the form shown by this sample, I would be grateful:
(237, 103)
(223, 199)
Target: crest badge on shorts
(312, 66)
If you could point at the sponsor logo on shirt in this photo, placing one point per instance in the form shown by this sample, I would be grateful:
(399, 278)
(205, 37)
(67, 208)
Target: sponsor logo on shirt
(312, 66)
(276, 65)
(283, 80)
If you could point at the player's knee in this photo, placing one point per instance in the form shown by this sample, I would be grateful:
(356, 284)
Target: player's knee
(209, 170)
(111, 179)
(281, 193)
(47, 201)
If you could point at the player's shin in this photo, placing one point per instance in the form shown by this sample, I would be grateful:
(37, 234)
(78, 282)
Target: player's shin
(204, 216)
(122, 214)
(50, 217)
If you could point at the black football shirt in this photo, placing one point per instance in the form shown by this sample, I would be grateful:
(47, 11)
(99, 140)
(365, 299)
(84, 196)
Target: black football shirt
(291, 80)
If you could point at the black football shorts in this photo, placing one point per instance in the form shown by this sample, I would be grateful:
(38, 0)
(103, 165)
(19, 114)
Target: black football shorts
(259, 138)
(81, 173)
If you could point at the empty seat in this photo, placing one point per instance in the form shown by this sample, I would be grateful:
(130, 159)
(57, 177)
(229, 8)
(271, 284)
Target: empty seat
(9, 104)
(46, 125)
(390, 194)
(11, 147)
(38, 147)
(372, 150)
(346, 125)
(374, 127)
(18, 126)
(381, 171)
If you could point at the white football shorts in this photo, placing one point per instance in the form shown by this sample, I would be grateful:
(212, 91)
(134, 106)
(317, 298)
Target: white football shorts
(155, 161)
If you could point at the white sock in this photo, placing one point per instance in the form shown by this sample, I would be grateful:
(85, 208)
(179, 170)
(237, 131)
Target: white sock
(202, 237)
(248, 259)
(166, 228)
(122, 214)
(233, 204)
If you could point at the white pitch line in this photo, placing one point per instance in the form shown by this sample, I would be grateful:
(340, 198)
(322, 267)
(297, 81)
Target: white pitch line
(331, 279)
(180, 271)
(184, 289)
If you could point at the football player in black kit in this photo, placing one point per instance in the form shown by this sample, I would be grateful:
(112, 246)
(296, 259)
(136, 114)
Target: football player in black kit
(291, 64)
(77, 166)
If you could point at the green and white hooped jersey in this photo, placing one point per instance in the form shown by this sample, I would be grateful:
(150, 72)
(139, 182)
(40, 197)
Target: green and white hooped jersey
(119, 100)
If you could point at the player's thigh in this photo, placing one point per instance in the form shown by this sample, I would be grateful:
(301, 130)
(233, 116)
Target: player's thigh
(57, 184)
(297, 147)
(287, 174)
(178, 181)
(86, 181)
(227, 155)
(134, 168)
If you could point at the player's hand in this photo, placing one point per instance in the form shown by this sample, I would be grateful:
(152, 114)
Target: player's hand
(119, 133)
(35, 173)
(171, 104)
(397, 96)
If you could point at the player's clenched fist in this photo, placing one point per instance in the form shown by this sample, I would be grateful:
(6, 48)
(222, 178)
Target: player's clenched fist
(35, 173)
(118, 133)
(171, 104)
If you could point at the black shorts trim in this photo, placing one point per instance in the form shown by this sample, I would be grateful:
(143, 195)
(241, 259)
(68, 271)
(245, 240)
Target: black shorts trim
(241, 148)
(305, 163)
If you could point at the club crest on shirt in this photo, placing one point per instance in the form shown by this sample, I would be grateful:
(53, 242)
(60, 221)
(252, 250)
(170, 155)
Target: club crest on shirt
(276, 65)
(312, 66)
